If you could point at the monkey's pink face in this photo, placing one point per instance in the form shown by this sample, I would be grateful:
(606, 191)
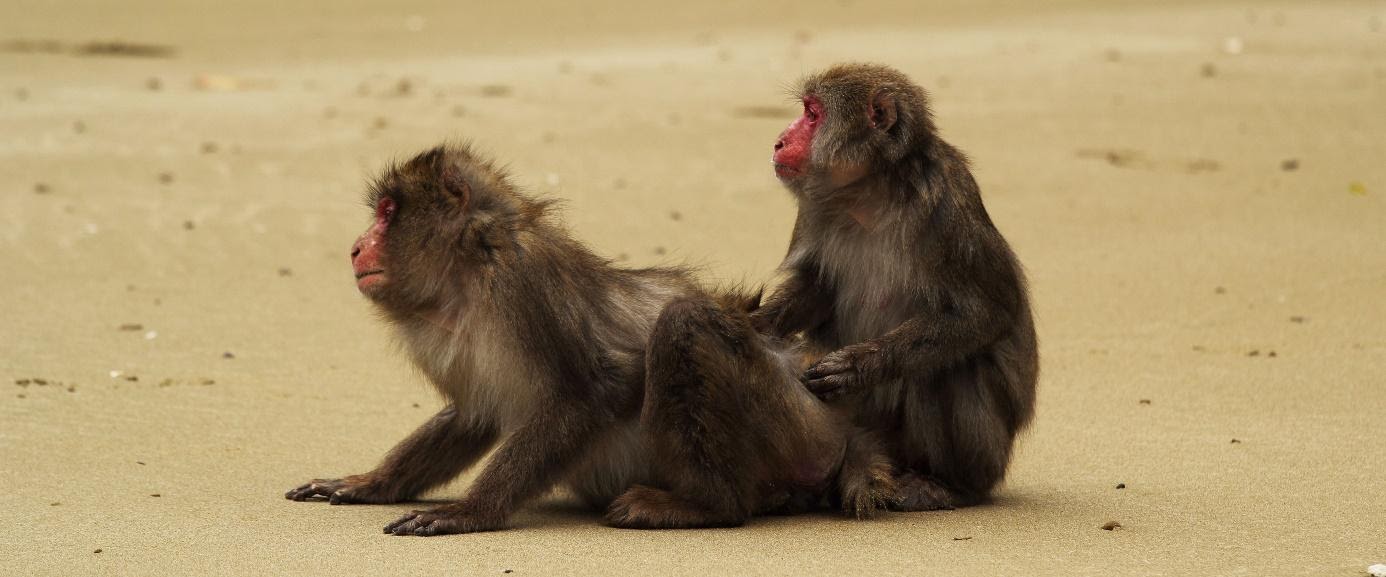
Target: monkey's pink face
(795, 144)
(368, 253)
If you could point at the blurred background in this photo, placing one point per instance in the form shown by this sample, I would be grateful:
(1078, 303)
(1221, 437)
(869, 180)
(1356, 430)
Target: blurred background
(1196, 190)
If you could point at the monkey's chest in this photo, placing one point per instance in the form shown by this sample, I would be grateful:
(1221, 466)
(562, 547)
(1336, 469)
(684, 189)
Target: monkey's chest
(872, 293)
(478, 372)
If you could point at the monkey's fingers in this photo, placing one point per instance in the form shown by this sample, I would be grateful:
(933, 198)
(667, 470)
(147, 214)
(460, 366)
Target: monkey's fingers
(314, 488)
(405, 525)
(830, 387)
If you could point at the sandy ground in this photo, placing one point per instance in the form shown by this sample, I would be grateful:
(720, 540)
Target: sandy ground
(1197, 190)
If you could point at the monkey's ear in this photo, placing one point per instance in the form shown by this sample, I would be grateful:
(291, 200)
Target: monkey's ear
(881, 110)
(455, 184)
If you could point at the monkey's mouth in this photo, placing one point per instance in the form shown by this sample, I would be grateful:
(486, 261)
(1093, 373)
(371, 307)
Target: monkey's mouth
(786, 171)
(368, 281)
(366, 273)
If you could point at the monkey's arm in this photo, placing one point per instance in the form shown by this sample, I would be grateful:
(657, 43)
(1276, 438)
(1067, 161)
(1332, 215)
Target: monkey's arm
(526, 465)
(921, 345)
(435, 453)
(802, 302)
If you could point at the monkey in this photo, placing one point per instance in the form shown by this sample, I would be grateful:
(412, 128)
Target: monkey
(539, 348)
(898, 278)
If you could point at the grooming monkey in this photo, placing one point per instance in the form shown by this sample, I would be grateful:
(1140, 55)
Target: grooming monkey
(543, 348)
(897, 273)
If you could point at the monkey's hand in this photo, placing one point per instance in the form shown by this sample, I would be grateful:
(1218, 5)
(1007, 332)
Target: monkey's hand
(350, 490)
(843, 371)
(458, 517)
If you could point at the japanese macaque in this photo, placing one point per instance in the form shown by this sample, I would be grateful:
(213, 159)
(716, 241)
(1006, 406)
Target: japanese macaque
(600, 379)
(897, 276)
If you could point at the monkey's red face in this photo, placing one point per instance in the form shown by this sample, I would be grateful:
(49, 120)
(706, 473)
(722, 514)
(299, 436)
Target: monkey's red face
(795, 145)
(368, 253)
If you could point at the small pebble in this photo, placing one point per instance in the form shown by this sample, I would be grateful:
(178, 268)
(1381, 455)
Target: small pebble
(1145, 401)
(165, 178)
(96, 551)
(1208, 70)
(675, 216)
(1121, 485)
(1377, 570)
(139, 462)
(42, 188)
(1110, 526)
(1236, 441)
(155, 495)
(1219, 290)
(22, 382)
(962, 538)
(496, 91)
(286, 271)
(189, 225)
(1289, 165)
(228, 355)
(151, 335)
(1254, 353)
(132, 327)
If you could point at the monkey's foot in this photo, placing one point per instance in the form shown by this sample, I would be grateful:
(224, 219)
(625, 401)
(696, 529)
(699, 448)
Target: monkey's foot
(918, 493)
(445, 520)
(643, 507)
(870, 492)
(350, 490)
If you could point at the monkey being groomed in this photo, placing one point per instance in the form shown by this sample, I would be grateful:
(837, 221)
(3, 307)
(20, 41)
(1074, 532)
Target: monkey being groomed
(635, 388)
(897, 275)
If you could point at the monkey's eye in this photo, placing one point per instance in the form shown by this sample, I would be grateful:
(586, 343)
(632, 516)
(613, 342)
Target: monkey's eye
(385, 210)
(811, 111)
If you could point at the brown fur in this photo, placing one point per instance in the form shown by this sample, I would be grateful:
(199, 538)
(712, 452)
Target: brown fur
(539, 345)
(896, 272)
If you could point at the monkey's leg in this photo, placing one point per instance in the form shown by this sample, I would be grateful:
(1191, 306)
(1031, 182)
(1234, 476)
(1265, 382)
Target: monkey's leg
(527, 463)
(434, 454)
(967, 429)
(866, 483)
(700, 433)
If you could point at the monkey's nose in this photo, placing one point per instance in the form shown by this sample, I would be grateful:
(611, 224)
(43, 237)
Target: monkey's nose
(355, 250)
(779, 144)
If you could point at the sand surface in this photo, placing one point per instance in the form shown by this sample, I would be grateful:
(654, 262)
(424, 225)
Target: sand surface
(1198, 191)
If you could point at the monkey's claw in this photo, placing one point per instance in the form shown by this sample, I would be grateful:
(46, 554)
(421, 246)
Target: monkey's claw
(350, 490)
(445, 520)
